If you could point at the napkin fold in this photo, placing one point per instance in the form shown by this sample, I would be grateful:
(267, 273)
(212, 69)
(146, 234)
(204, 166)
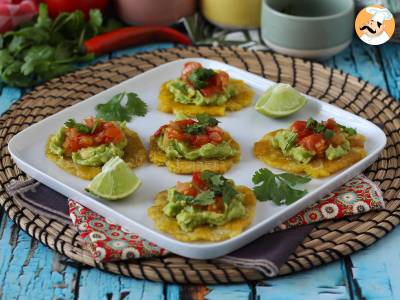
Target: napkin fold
(110, 242)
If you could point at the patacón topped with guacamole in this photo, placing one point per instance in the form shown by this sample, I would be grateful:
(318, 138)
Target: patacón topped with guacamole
(210, 207)
(82, 148)
(190, 145)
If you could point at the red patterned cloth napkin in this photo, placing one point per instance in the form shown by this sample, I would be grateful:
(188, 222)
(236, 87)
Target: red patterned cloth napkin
(16, 12)
(109, 241)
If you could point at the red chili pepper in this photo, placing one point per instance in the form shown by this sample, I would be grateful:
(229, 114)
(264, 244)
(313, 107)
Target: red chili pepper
(131, 36)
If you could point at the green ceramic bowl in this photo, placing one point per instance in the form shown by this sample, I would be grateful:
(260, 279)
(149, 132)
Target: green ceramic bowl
(307, 28)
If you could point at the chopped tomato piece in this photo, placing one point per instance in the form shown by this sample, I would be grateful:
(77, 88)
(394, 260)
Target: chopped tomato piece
(190, 192)
(215, 137)
(214, 86)
(113, 135)
(218, 206)
(175, 134)
(200, 140)
(188, 68)
(182, 186)
(197, 181)
(223, 78)
(185, 122)
(300, 128)
(331, 124)
(160, 130)
(337, 139)
(314, 142)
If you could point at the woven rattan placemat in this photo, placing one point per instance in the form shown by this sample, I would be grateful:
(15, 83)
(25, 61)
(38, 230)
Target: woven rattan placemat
(327, 242)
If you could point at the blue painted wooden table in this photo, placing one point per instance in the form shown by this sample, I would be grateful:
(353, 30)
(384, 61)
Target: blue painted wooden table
(29, 270)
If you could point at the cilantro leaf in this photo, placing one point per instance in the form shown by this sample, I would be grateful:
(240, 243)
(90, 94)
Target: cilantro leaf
(219, 185)
(199, 76)
(82, 128)
(113, 110)
(204, 198)
(204, 121)
(350, 131)
(278, 188)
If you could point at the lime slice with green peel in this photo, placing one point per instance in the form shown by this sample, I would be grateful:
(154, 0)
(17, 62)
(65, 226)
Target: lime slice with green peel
(116, 181)
(280, 100)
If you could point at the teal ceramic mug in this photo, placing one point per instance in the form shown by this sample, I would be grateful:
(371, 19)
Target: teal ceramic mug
(307, 28)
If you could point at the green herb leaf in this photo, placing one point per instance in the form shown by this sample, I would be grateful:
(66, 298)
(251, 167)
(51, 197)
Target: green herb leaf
(199, 76)
(114, 110)
(328, 134)
(350, 131)
(219, 185)
(204, 121)
(278, 188)
(82, 128)
(204, 198)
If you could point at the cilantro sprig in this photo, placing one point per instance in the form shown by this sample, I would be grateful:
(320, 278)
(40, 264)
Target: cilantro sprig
(203, 198)
(114, 110)
(199, 77)
(278, 188)
(82, 128)
(319, 127)
(219, 185)
(204, 121)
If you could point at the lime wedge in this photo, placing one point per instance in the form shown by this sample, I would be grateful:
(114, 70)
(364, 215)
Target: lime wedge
(280, 100)
(116, 181)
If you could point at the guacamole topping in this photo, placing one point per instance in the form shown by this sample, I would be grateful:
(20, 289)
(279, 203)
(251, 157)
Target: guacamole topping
(305, 140)
(212, 201)
(193, 139)
(184, 93)
(90, 144)
(175, 149)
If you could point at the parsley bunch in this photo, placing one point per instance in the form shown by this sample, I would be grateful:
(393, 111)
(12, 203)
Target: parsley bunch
(278, 188)
(204, 121)
(199, 77)
(114, 110)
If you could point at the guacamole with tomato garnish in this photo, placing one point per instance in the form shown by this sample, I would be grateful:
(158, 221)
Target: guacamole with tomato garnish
(305, 140)
(91, 143)
(210, 199)
(194, 139)
(201, 86)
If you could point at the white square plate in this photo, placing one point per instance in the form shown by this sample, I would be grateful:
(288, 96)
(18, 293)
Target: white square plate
(246, 126)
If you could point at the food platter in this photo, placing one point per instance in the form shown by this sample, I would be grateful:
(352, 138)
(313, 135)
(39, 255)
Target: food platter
(246, 126)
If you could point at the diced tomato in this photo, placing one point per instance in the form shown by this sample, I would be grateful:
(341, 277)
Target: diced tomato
(223, 78)
(113, 134)
(197, 181)
(215, 137)
(188, 68)
(185, 122)
(85, 141)
(200, 140)
(300, 128)
(337, 139)
(90, 121)
(314, 142)
(331, 124)
(190, 192)
(160, 130)
(213, 86)
(218, 206)
(175, 134)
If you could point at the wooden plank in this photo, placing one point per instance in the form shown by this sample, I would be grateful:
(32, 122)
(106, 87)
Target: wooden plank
(29, 270)
(362, 61)
(211, 292)
(376, 269)
(325, 282)
(390, 54)
(95, 284)
(8, 96)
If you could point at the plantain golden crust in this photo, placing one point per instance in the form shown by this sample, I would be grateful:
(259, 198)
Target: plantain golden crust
(205, 232)
(317, 168)
(182, 166)
(134, 156)
(242, 99)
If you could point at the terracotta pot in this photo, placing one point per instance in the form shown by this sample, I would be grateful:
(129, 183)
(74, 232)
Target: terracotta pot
(154, 12)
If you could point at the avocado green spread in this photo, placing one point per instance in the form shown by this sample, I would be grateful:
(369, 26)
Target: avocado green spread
(285, 140)
(90, 156)
(175, 149)
(183, 93)
(189, 216)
